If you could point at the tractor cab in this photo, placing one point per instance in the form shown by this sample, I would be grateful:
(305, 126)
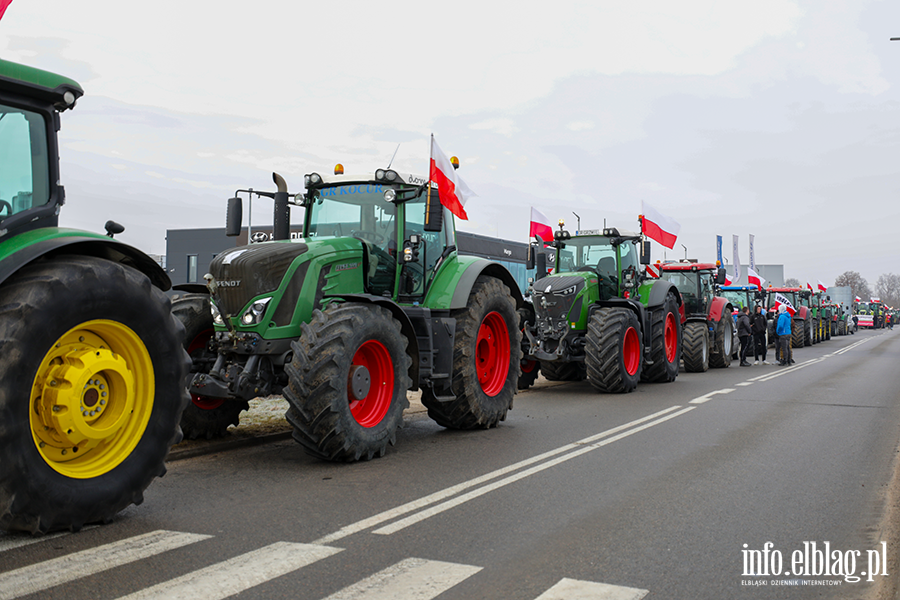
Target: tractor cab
(697, 283)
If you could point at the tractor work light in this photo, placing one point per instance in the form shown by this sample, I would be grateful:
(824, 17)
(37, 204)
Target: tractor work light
(312, 179)
(389, 195)
(611, 232)
(386, 175)
(254, 314)
(339, 169)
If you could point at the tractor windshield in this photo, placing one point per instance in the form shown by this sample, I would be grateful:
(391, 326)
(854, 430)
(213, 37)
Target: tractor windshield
(737, 298)
(24, 163)
(357, 209)
(589, 253)
(691, 289)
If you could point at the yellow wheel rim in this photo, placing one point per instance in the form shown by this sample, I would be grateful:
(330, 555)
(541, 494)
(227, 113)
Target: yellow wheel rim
(92, 398)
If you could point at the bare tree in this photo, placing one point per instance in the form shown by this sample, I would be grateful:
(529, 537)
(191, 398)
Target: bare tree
(858, 284)
(791, 282)
(888, 289)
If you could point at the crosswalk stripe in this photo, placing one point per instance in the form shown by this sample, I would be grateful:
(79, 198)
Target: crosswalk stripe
(50, 573)
(410, 579)
(574, 589)
(235, 575)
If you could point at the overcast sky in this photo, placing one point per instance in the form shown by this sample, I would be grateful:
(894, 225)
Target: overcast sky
(774, 118)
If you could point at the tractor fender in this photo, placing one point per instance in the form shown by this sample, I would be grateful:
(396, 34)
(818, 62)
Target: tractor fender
(658, 292)
(453, 283)
(49, 241)
(717, 307)
(406, 326)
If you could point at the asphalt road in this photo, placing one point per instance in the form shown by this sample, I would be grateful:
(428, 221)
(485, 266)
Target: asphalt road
(666, 493)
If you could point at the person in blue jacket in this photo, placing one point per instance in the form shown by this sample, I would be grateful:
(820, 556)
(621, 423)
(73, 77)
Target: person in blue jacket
(783, 330)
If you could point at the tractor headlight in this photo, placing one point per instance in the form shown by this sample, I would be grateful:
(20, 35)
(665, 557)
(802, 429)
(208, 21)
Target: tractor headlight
(312, 179)
(216, 315)
(568, 291)
(254, 314)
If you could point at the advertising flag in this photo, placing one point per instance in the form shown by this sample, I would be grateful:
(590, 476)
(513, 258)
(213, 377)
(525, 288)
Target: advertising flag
(452, 189)
(658, 226)
(540, 225)
(719, 250)
(752, 259)
(737, 260)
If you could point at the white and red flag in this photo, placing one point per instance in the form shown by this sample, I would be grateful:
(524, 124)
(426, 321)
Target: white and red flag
(3, 5)
(452, 189)
(728, 279)
(540, 225)
(658, 226)
(781, 299)
(754, 278)
(822, 286)
(809, 286)
(858, 299)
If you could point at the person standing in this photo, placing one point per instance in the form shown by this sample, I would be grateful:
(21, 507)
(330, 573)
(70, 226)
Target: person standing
(759, 324)
(783, 329)
(745, 332)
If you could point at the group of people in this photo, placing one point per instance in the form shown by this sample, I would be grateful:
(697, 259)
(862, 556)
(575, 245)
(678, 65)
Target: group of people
(752, 330)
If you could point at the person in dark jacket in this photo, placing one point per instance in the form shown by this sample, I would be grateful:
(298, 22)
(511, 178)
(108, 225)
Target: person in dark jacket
(759, 324)
(745, 332)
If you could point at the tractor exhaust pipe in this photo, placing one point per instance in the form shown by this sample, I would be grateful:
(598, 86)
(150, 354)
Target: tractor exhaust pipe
(281, 227)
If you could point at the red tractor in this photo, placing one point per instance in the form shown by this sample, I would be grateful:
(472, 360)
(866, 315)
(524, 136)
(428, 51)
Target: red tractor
(706, 317)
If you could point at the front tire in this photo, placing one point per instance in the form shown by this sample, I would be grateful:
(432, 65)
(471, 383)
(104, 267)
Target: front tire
(666, 343)
(560, 370)
(723, 349)
(91, 391)
(204, 417)
(613, 355)
(487, 352)
(696, 347)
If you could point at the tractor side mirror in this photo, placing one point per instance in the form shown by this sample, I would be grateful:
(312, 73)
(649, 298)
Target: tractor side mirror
(233, 217)
(112, 228)
(434, 213)
(540, 265)
(720, 276)
(645, 252)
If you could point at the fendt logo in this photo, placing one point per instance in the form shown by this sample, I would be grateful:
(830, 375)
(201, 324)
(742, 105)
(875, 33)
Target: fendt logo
(229, 283)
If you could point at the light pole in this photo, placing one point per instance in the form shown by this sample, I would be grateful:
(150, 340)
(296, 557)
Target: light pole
(578, 224)
(685, 251)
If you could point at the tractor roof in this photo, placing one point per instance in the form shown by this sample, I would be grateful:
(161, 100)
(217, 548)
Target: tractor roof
(39, 84)
(739, 288)
(379, 176)
(688, 266)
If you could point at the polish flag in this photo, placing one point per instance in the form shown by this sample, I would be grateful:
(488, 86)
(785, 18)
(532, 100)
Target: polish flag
(728, 280)
(658, 226)
(822, 286)
(781, 299)
(809, 286)
(3, 5)
(452, 189)
(540, 225)
(858, 299)
(755, 278)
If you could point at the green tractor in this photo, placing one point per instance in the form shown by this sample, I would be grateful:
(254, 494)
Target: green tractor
(370, 301)
(598, 316)
(93, 371)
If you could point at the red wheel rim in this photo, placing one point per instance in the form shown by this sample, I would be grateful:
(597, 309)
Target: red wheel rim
(671, 338)
(370, 410)
(492, 354)
(528, 365)
(631, 351)
(198, 344)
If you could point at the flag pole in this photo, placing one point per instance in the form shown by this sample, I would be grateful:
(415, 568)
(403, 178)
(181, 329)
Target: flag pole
(428, 196)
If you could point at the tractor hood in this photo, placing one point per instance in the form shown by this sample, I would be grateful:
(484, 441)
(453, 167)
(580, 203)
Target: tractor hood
(558, 300)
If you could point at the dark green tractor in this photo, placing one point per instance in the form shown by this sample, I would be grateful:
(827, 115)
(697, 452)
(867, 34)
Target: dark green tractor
(370, 301)
(598, 316)
(93, 370)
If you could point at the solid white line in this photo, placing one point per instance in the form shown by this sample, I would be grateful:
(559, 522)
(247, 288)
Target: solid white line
(573, 589)
(235, 575)
(439, 508)
(745, 383)
(409, 579)
(793, 369)
(453, 490)
(50, 573)
(708, 396)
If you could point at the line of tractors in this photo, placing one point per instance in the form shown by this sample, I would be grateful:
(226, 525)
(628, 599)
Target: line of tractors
(103, 371)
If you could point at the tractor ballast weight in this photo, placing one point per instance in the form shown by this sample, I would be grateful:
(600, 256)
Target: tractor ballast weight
(370, 301)
(598, 316)
(91, 385)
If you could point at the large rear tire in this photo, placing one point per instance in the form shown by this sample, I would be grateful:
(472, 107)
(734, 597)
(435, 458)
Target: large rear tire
(204, 417)
(91, 391)
(559, 370)
(696, 347)
(347, 382)
(723, 348)
(797, 332)
(665, 343)
(487, 353)
(613, 355)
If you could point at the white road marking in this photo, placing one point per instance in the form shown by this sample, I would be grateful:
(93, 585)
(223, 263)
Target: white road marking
(745, 383)
(708, 396)
(574, 589)
(585, 448)
(8, 541)
(453, 490)
(409, 579)
(50, 573)
(235, 575)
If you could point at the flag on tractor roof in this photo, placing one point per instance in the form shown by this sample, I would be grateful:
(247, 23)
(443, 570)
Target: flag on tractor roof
(452, 189)
(540, 225)
(658, 226)
(754, 278)
(3, 5)
(822, 286)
